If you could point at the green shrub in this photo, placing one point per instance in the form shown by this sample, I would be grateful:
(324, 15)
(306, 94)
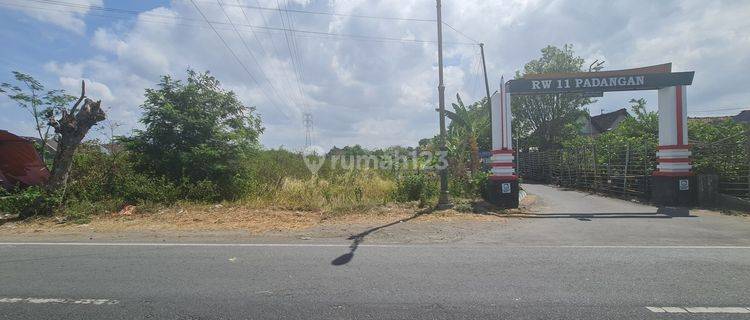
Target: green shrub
(414, 187)
(32, 201)
(468, 187)
(338, 192)
(265, 171)
(140, 188)
(479, 183)
(196, 130)
(81, 211)
(462, 205)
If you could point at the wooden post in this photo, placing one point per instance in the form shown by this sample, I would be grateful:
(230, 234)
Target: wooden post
(609, 170)
(627, 162)
(644, 182)
(595, 180)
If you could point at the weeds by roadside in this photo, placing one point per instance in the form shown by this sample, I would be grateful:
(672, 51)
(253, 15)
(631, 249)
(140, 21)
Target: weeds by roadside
(103, 183)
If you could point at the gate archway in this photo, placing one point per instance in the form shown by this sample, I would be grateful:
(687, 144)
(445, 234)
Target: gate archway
(673, 179)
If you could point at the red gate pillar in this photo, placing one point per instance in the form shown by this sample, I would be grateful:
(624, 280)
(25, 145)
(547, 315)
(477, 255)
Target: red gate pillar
(502, 187)
(673, 180)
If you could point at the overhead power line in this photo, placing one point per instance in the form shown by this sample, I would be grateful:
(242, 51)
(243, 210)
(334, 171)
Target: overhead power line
(461, 33)
(169, 17)
(295, 56)
(336, 14)
(250, 52)
(275, 48)
(244, 67)
(287, 10)
(722, 109)
(333, 13)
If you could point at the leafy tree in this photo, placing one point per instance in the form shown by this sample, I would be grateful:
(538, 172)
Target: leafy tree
(638, 132)
(648, 120)
(49, 110)
(641, 128)
(545, 121)
(720, 147)
(30, 95)
(196, 132)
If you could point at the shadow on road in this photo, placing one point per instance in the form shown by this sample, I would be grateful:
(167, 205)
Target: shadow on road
(589, 216)
(357, 239)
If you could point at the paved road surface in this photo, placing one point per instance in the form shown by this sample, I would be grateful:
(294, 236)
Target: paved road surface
(559, 266)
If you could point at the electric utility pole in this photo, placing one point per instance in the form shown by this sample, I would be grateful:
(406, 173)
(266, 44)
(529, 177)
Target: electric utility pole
(486, 84)
(443, 202)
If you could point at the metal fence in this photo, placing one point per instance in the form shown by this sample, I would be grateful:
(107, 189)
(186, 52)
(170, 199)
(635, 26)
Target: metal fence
(626, 170)
(730, 160)
(623, 171)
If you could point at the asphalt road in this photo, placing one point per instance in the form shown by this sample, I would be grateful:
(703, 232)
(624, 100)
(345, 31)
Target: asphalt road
(562, 265)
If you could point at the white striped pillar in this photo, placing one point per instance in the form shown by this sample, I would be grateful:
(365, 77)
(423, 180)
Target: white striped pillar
(674, 151)
(503, 168)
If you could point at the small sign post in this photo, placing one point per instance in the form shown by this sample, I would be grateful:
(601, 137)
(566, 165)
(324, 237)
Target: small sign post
(506, 187)
(684, 184)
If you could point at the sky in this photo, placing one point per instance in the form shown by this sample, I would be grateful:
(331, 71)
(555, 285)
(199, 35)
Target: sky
(365, 77)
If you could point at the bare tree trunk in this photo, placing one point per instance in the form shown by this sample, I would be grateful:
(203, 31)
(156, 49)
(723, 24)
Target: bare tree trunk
(72, 127)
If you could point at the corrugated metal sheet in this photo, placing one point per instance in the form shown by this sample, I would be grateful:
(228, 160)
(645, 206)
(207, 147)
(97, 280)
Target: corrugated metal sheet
(20, 164)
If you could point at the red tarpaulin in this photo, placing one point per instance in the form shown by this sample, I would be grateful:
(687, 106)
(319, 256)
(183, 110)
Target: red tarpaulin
(20, 164)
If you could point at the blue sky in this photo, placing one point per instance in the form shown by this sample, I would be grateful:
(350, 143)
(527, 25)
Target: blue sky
(374, 93)
(33, 42)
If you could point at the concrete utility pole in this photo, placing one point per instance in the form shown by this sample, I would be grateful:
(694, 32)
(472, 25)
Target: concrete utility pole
(443, 202)
(486, 84)
(747, 150)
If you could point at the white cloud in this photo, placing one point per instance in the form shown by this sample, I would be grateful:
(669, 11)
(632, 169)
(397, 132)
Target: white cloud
(68, 69)
(69, 16)
(106, 41)
(384, 93)
(94, 89)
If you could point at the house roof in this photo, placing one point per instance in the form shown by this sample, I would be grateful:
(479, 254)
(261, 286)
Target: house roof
(744, 116)
(19, 162)
(710, 119)
(51, 143)
(606, 121)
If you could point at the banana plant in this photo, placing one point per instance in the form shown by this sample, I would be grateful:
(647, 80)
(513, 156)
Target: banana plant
(466, 126)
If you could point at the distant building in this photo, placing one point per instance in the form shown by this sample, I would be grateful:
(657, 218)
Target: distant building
(20, 164)
(710, 119)
(50, 147)
(742, 117)
(596, 125)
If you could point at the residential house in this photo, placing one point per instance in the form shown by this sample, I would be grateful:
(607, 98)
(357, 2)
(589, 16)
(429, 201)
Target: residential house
(596, 125)
(20, 164)
(742, 117)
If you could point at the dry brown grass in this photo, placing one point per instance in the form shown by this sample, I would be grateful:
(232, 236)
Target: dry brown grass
(181, 217)
(349, 191)
(236, 217)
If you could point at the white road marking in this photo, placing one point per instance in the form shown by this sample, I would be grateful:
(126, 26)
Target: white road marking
(699, 309)
(717, 310)
(499, 246)
(59, 300)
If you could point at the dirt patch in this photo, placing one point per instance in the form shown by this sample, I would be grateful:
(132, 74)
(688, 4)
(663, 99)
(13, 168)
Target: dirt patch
(252, 221)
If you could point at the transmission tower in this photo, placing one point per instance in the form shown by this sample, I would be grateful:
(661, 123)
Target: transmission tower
(308, 121)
